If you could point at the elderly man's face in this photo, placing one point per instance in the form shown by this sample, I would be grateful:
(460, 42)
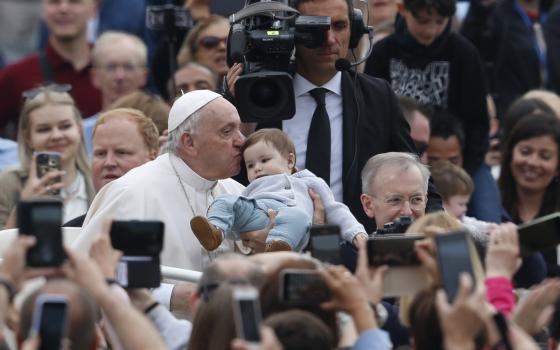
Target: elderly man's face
(67, 19)
(120, 71)
(118, 147)
(393, 193)
(217, 142)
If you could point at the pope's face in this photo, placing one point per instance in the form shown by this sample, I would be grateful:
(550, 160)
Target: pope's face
(217, 141)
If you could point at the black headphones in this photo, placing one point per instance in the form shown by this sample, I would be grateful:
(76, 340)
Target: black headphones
(357, 26)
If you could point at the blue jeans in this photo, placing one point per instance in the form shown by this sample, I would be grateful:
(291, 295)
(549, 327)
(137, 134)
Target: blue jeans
(234, 214)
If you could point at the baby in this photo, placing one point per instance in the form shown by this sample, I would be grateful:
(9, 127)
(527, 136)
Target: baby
(455, 187)
(274, 184)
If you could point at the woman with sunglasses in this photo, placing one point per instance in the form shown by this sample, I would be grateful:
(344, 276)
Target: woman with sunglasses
(49, 122)
(206, 44)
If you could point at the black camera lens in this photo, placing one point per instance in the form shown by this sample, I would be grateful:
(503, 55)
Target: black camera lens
(265, 93)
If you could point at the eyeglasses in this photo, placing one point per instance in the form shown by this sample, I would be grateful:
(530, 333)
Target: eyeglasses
(211, 42)
(126, 67)
(417, 202)
(60, 88)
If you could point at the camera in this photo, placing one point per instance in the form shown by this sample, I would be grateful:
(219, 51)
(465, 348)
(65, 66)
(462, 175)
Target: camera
(398, 226)
(141, 243)
(263, 36)
(168, 18)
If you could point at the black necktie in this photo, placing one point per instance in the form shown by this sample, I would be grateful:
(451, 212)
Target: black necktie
(318, 155)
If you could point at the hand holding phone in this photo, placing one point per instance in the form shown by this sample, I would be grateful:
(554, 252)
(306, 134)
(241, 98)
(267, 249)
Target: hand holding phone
(50, 320)
(247, 313)
(42, 218)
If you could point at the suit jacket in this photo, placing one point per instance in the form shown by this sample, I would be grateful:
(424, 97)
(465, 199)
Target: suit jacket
(372, 123)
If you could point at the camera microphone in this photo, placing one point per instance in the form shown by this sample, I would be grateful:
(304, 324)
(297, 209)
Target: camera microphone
(342, 64)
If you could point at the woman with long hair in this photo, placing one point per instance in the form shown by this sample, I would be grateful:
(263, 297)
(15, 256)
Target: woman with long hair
(529, 177)
(49, 122)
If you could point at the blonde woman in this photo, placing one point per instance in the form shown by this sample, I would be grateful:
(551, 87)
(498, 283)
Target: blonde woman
(49, 122)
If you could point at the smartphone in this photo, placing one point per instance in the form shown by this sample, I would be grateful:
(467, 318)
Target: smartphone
(42, 218)
(454, 257)
(393, 250)
(141, 243)
(324, 243)
(303, 287)
(50, 320)
(49, 161)
(247, 313)
(540, 234)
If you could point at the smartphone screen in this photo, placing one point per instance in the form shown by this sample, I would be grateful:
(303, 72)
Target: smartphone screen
(454, 258)
(325, 243)
(247, 313)
(42, 219)
(50, 320)
(138, 237)
(393, 250)
(540, 234)
(303, 287)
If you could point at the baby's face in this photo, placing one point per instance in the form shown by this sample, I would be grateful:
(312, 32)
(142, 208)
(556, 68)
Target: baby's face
(457, 205)
(263, 159)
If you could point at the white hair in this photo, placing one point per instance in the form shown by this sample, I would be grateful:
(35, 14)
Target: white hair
(400, 161)
(189, 125)
(111, 39)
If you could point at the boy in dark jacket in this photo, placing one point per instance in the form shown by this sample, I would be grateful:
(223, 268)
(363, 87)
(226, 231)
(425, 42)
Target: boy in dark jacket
(424, 60)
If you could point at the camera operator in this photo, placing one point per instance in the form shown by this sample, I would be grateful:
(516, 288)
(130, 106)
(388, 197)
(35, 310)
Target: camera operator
(394, 187)
(342, 118)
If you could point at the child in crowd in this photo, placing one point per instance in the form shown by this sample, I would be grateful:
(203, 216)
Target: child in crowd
(425, 60)
(456, 187)
(274, 184)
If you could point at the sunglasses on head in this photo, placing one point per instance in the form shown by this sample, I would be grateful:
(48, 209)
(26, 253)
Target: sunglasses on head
(210, 42)
(32, 93)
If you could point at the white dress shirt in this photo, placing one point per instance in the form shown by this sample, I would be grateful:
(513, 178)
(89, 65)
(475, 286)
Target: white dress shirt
(298, 127)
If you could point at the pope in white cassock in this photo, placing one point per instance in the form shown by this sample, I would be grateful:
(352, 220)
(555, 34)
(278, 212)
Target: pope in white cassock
(204, 151)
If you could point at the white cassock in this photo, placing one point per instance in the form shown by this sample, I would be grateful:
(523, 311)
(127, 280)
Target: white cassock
(153, 191)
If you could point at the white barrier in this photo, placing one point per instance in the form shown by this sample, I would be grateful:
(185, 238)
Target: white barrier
(175, 273)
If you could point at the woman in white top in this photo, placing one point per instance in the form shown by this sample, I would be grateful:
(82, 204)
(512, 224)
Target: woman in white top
(49, 122)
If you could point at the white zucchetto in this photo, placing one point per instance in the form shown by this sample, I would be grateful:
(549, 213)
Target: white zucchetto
(187, 104)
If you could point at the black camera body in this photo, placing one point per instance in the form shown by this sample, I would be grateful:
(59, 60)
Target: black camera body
(263, 37)
(398, 226)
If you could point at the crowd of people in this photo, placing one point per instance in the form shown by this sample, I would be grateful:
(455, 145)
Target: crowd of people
(452, 124)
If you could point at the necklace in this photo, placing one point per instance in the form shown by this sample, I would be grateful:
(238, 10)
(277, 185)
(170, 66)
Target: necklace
(211, 255)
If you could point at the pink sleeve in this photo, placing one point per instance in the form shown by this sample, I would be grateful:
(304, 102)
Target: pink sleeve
(499, 293)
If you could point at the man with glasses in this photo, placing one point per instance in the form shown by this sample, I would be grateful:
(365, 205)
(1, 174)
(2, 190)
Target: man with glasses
(119, 68)
(65, 60)
(394, 184)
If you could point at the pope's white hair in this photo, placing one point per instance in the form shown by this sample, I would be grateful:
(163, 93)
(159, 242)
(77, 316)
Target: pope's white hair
(189, 125)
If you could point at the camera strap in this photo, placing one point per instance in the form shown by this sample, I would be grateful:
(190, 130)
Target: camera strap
(263, 9)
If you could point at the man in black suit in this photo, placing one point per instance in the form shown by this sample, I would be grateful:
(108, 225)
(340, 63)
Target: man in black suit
(363, 112)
